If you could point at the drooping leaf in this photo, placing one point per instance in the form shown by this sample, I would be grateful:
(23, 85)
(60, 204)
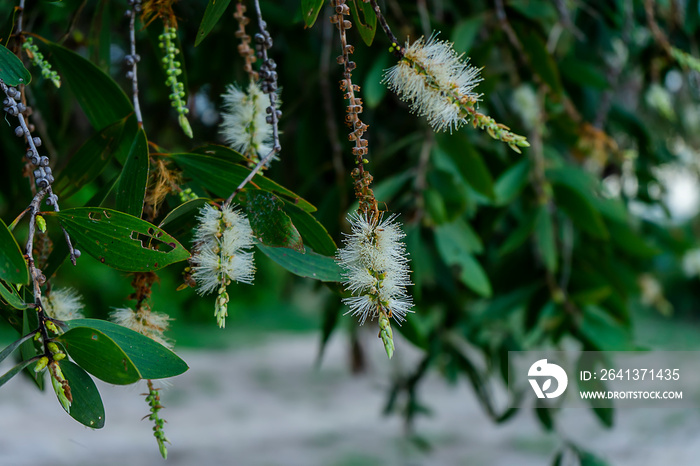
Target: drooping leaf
(364, 19)
(270, 224)
(16, 370)
(222, 152)
(310, 10)
(102, 99)
(374, 90)
(131, 185)
(468, 161)
(222, 177)
(458, 236)
(98, 354)
(8, 351)
(182, 220)
(151, 359)
(120, 240)
(13, 267)
(511, 182)
(312, 231)
(12, 71)
(87, 407)
(309, 264)
(541, 60)
(604, 331)
(94, 155)
(580, 211)
(215, 9)
(519, 235)
(459, 254)
(464, 33)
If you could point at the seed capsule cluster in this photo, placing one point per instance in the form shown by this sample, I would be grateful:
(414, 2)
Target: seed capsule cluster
(13, 105)
(268, 79)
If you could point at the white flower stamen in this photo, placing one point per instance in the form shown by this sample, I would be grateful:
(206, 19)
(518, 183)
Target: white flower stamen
(63, 304)
(375, 268)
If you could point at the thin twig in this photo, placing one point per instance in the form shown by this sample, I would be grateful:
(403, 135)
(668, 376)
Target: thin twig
(397, 50)
(132, 59)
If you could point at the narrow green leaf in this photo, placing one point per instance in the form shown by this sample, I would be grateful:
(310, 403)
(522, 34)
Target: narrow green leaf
(603, 331)
(270, 224)
(120, 240)
(312, 231)
(458, 236)
(222, 152)
(309, 264)
(182, 220)
(8, 351)
(222, 177)
(13, 267)
(215, 9)
(87, 407)
(102, 100)
(580, 211)
(511, 182)
(100, 355)
(31, 349)
(471, 272)
(131, 185)
(629, 240)
(465, 32)
(151, 359)
(374, 90)
(329, 320)
(544, 238)
(468, 161)
(364, 19)
(12, 71)
(519, 235)
(310, 10)
(542, 62)
(16, 370)
(94, 155)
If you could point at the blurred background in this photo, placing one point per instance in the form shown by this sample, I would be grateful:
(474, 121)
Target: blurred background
(586, 240)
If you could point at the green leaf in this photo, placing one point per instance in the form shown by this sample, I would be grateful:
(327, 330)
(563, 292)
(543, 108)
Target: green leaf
(374, 90)
(542, 62)
(102, 100)
(100, 355)
(94, 155)
(8, 351)
(120, 240)
(16, 370)
(521, 233)
(12, 71)
(222, 177)
(602, 408)
(309, 264)
(465, 32)
(580, 211)
(471, 273)
(364, 19)
(153, 360)
(631, 241)
(583, 73)
(182, 220)
(312, 231)
(544, 238)
(468, 161)
(310, 10)
(13, 267)
(270, 224)
(30, 349)
(215, 8)
(222, 152)
(458, 236)
(87, 407)
(131, 185)
(511, 182)
(603, 331)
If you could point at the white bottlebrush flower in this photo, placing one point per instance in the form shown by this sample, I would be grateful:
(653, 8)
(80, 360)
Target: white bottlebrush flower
(63, 304)
(436, 82)
(244, 126)
(144, 321)
(223, 240)
(375, 268)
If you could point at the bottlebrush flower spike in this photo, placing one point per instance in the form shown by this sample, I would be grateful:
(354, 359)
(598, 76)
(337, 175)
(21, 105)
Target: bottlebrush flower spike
(244, 126)
(436, 82)
(221, 254)
(375, 268)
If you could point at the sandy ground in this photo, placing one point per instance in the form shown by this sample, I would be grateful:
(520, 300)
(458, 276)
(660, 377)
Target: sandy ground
(269, 406)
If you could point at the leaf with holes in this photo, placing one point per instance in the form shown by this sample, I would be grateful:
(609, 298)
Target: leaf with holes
(120, 240)
(365, 19)
(270, 224)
